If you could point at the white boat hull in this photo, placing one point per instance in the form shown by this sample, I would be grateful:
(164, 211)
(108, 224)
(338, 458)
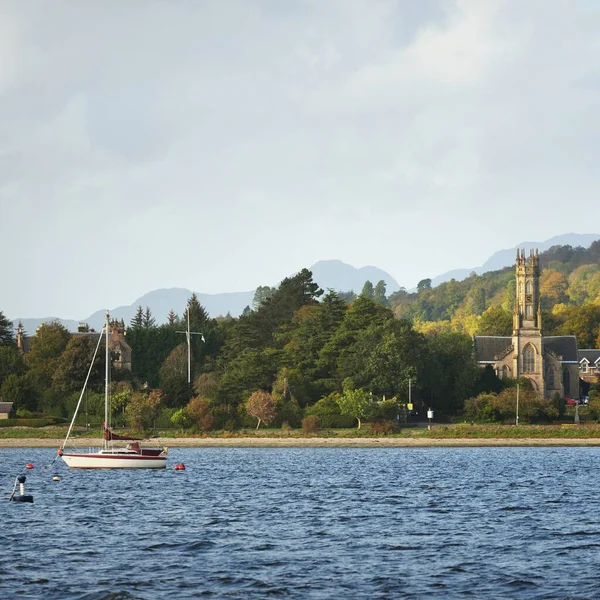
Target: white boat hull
(114, 461)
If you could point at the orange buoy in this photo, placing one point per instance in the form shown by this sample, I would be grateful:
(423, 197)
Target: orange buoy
(29, 466)
(180, 467)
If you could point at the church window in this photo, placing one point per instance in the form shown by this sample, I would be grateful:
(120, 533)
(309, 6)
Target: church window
(505, 372)
(550, 378)
(529, 359)
(528, 287)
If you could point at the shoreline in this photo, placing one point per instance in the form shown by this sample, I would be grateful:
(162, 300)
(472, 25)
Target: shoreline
(316, 442)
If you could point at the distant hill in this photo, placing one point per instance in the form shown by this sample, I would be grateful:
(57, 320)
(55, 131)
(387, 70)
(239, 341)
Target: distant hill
(506, 258)
(329, 274)
(333, 274)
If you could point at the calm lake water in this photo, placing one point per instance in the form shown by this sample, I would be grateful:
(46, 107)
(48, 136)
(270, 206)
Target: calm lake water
(308, 523)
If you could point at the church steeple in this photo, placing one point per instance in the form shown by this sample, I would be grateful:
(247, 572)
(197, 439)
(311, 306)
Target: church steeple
(527, 313)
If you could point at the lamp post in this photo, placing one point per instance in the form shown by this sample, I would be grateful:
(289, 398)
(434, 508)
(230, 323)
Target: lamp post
(517, 420)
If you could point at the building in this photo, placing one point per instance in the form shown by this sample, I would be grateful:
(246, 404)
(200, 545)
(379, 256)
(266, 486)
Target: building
(551, 363)
(5, 410)
(119, 348)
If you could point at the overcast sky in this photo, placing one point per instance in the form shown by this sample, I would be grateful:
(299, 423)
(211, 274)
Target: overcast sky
(221, 145)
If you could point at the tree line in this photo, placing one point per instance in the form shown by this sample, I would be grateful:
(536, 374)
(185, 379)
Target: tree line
(302, 355)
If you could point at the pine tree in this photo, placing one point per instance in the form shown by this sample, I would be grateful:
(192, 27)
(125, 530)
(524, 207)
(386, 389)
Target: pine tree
(367, 291)
(172, 317)
(6, 331)
(148, 321)
(137, 322)
(379, 293)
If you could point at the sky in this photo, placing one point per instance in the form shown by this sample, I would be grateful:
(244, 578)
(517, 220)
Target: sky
(222, 145)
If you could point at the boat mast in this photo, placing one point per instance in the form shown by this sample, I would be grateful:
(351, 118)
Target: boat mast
(106, 376)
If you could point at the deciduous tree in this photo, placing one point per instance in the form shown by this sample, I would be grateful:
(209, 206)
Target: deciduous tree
(261, 406)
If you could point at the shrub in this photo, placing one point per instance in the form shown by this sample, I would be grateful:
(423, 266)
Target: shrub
(383, 427)
(310, 424)
(328, 413)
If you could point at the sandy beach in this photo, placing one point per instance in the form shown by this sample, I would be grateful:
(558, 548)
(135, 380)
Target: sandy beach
(314, 442)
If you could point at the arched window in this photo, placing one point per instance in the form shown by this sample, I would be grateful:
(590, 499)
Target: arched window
(528, 287)
(566, 382)
(550, 378)
(529, 359)
(505, 372)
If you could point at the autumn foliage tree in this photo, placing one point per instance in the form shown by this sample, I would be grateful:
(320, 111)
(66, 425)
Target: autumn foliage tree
(143, 410)
(198, 411)
(261, 406)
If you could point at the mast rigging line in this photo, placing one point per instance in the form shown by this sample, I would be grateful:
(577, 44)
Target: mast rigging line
(83, 390)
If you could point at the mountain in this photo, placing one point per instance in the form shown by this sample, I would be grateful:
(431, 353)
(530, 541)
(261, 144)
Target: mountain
(329, 274)
(506, 258)
(337, 275)
(333, 274)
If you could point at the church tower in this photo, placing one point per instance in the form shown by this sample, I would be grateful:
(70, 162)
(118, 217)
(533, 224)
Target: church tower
(527, 320)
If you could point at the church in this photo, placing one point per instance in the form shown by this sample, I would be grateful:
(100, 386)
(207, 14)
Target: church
(551, 363)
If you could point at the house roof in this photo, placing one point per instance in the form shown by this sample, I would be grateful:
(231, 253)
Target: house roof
(490, 348)
(487, 347)
(564, 346)
(5, 407)
(592, 356)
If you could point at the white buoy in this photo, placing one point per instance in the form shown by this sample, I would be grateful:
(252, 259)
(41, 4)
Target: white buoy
(56, 477)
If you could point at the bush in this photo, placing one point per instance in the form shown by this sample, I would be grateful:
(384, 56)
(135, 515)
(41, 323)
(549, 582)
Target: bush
(328, 413)
(310, 424)
(383, 427)
(30, 422)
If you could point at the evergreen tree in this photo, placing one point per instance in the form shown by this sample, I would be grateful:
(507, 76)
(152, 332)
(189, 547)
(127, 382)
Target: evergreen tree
(137, 322)
(148, 321)
(367, 291)
(379, 293)
(172, 317)
(6, 331)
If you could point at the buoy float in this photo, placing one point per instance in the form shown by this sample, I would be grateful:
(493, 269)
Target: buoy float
(22, 497)
(29, 466)
(56, 477)
(180, 467)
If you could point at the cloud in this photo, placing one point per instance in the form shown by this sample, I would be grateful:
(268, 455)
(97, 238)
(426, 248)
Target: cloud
(223, 145)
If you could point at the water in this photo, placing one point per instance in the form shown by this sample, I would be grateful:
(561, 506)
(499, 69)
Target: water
(308, 523)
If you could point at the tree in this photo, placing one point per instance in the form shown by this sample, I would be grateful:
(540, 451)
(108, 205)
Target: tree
(367, 291)
(11, 362)
(379, 293)
(137, 322)
(148, 321)
(198, 410)
(18, 389)
(354, 403)
(424, 284)
(495, 321)
(71, 368)
(48, 344)
(261, 406)
(143, 410)
(261, 295)
(172, 318)
(553, 288)
(6, 331)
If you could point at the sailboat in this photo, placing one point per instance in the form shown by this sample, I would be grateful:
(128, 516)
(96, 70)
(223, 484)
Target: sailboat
(130, 456)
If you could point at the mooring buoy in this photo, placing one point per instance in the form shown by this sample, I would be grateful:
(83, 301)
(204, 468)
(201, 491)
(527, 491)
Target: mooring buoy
(56, 477)
(22, 497)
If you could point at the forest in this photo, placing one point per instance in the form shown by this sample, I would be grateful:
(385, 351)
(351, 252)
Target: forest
(304, 357)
